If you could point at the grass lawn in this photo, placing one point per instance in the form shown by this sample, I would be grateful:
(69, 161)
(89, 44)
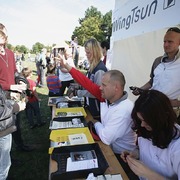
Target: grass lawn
(35, 164)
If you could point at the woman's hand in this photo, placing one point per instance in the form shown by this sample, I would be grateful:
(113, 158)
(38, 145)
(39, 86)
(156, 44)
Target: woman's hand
(134, 154)
(141, 170)
(124, 155)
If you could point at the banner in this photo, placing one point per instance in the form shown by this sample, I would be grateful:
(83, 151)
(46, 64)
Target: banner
(136, 17)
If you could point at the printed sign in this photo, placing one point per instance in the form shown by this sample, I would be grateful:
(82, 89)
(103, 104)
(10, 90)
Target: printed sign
(138, 17)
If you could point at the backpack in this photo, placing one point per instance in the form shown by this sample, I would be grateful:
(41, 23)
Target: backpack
(6, 115)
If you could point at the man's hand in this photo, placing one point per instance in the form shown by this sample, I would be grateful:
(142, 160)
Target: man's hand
(19, 106)
(135, 90)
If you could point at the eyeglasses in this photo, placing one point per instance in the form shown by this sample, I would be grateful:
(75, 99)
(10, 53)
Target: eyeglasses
(174, 29)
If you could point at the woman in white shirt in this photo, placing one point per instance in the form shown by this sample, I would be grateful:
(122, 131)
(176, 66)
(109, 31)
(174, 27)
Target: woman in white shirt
(158, 156)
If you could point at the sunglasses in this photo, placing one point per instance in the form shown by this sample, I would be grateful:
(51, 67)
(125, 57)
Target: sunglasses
(174, 29)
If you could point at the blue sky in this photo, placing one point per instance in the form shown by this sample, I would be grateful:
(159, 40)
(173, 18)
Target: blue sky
(45, 21)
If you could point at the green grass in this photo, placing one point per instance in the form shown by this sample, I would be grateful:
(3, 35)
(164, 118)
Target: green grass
(36, 163)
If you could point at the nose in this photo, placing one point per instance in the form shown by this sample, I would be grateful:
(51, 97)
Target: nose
(166, 44)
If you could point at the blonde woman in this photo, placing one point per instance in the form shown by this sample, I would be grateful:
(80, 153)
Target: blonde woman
(95, 73)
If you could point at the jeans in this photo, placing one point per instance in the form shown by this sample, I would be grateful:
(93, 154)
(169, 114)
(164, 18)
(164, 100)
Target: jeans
(5, 160)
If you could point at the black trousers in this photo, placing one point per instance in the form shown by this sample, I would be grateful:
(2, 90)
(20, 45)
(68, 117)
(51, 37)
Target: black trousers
(17, 134)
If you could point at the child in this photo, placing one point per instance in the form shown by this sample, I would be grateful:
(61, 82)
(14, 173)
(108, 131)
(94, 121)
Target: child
(53, 81)
(32, 106)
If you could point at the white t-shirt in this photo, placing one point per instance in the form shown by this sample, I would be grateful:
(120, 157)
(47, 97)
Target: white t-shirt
(66, 76)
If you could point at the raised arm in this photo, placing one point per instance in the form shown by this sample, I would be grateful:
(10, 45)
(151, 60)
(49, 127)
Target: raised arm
(84, 81)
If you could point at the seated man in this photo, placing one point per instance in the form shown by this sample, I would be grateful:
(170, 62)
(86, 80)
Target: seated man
(115, 126)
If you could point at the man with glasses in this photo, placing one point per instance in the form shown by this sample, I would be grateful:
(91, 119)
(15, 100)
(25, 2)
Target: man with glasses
(165, 70)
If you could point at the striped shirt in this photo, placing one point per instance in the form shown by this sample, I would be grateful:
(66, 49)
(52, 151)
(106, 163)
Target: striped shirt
(53, 83)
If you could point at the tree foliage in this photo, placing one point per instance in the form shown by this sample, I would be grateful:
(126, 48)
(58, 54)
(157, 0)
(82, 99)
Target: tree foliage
(21, 49)
(37, 47)
(94, 24)
(10, 46)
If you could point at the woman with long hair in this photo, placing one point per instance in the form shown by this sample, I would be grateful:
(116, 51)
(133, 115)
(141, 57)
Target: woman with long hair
(95, 73)
(158, 156)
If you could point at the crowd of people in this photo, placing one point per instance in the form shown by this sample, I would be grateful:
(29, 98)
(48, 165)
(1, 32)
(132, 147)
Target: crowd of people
(144, 135)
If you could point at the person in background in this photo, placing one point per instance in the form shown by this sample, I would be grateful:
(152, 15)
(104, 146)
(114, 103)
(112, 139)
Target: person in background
(75, 50)
(38, 64)
(165, 70)
(32, 106)
(7, 81)
(53, 81)
(48, 57)
(104, 47)
(64, 76)
(158, 153)
(42, 67)
(22, 57)
(115, 126)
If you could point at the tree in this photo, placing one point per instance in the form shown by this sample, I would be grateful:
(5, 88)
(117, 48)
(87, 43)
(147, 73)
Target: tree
(94, 24)
(37, 47)
(107, 25)
(21, 49)
(10, 46)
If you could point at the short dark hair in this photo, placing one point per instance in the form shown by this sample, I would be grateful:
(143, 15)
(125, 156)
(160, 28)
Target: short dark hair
(156, 110)
(174, 29)
(105, 44)
(51, 68)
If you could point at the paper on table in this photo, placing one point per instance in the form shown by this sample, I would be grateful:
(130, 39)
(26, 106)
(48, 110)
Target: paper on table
(79, 165)
(103, 177)
(77, 139)
(67, 124)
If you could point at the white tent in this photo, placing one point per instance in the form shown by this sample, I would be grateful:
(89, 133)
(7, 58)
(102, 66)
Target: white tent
(137, 36)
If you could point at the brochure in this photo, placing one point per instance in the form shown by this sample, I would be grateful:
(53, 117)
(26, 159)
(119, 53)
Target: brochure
(82, 160)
